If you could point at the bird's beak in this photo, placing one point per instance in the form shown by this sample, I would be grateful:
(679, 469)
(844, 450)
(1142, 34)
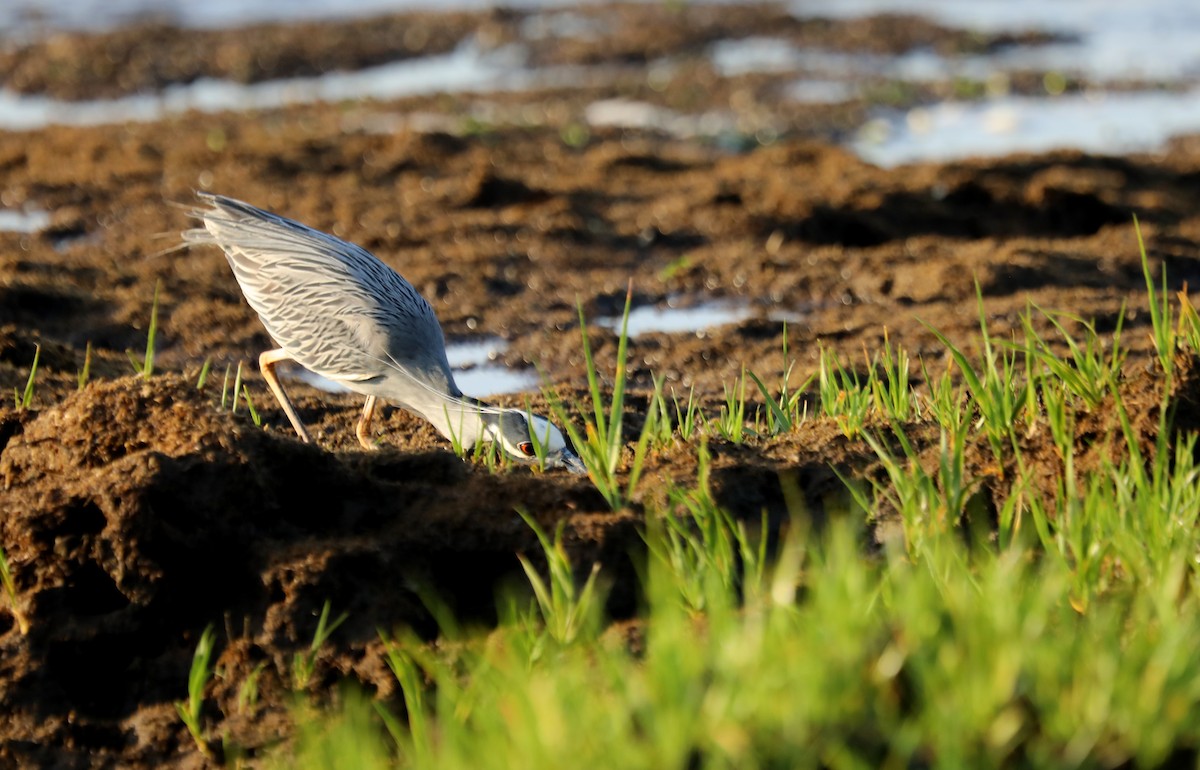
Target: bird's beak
(565, 458)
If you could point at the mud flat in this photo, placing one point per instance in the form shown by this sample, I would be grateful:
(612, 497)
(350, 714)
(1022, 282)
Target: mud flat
(138, 511)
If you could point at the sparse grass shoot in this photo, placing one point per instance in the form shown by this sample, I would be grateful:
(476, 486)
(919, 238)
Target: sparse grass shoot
(701, 549)
(659, 410)
(456, 443)
(190, 710)
(786, 410)
(602, 443)
(730, 422)
(250, 407)
(145, 367)
(930, 503)
(892, 393)
(1089, 372)
(225, 386)
(237, 390)
(24, 398)
(689, 418)
(566, 611)
(86, 372)
(999, 394)
(1162, 328)
(247, 694)
(305, 663)
(202, 379)
(491, 456)
(10, 590)
(947, 401)
(601, 449)
(1189, 323)
(844, 397)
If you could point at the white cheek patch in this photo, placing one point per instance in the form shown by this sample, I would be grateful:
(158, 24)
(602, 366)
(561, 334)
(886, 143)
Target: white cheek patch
(545, 434)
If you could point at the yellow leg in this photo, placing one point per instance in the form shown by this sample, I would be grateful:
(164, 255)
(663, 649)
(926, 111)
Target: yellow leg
(360, 430)
(266, 364)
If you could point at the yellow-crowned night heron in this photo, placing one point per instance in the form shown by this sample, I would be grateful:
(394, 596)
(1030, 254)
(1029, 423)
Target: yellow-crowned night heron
(338, 311)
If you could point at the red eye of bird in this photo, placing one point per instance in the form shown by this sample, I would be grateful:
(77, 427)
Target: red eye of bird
(526, 448)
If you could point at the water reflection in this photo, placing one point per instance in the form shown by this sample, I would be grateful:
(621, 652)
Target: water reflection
(475, 370)
(649, 319)
(16, 221)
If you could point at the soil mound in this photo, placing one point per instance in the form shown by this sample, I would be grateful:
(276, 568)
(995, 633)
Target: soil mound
(138, 513)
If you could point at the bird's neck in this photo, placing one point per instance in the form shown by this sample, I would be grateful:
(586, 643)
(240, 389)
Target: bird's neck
(463, 421)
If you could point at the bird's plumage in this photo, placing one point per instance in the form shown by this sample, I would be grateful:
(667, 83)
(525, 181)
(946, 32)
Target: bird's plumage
(334, 307)
(339, 311)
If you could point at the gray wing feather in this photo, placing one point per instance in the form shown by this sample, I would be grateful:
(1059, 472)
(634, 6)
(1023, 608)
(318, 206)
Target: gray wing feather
(333, 306)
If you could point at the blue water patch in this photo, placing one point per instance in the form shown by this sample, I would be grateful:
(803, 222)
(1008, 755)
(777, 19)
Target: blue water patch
(1099, 41)
(649, 319)
(476, 371)
(17, 221)
(1107, 123)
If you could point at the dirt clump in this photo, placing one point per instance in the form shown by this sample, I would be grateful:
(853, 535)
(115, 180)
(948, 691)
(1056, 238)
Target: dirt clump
(136, 510)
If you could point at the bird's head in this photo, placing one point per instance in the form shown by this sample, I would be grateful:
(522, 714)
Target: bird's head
(523, 436)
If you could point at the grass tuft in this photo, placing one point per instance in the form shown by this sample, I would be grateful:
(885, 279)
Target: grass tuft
(566, 612)
(254, 417)
(24, 398)
(237, 390)
(10, 590)
(892, 393)
(145, 367)
(844, 397)
(202, 378)
(304, 663)
(730, 422)
(225, 387)
(1162, 328)
(999, 395)
(602, 443)
(190, 710)
(86, 372)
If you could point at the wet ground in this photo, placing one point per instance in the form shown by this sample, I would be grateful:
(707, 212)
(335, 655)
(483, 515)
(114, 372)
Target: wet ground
(137, 511)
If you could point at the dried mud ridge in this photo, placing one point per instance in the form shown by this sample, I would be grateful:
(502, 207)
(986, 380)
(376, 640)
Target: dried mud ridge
(138, 513)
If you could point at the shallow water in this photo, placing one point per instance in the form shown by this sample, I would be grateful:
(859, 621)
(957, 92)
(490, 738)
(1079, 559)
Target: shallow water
(475, 370)
(30, 17)
(1100, 123)
(479, 374)
(17, 221)
(1106, 40)
(465, 68)
(649, 319)
(1151, 39)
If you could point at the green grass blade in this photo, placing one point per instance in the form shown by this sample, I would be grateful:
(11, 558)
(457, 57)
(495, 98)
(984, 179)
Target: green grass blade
(204, 370)
(782, 423)
(86, 371)
(10, 590)
(25, 398)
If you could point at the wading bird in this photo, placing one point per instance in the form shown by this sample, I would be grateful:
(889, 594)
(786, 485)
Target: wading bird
(338, 311)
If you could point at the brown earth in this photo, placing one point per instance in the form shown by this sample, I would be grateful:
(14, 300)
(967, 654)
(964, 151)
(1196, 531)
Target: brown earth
(138, 512)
